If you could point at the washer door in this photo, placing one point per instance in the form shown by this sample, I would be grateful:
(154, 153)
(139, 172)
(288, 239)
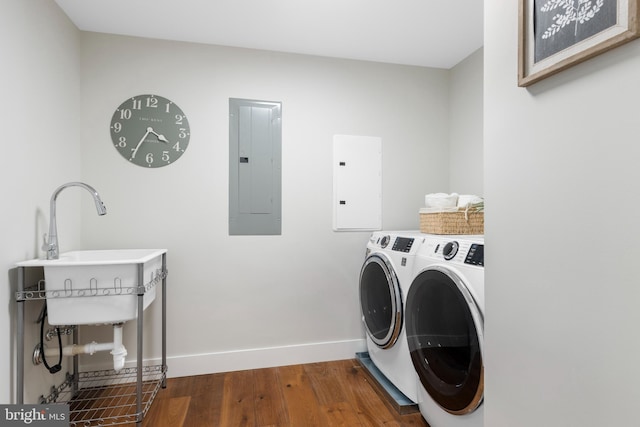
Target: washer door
(380, 301)
(444, 333)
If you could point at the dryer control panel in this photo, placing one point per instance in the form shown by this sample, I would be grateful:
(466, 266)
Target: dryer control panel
(461, 252)
(475, 256)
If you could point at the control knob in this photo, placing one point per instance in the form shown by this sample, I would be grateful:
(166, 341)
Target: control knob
(450, 250)
(384, 242)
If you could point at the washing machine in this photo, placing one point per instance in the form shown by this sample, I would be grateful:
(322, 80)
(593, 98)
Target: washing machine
(445, 326)
(385, 278)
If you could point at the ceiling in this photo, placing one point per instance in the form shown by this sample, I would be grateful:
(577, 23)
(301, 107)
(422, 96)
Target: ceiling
(429, 33)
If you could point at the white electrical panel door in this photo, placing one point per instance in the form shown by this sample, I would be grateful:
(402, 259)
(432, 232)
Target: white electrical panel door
(357, 183)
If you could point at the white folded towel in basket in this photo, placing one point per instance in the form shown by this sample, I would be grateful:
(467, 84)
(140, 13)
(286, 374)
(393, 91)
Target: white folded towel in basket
(466, 200)
(441, 200)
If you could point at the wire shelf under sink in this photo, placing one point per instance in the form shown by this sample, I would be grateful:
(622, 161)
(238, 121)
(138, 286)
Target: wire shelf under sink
(106, 398)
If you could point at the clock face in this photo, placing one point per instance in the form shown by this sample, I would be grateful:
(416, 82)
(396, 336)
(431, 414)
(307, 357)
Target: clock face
(150, 131)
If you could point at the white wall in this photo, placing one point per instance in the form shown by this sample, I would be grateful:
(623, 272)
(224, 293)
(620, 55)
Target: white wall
(39, 81)
(230, 297)
(561, 184)
(466, 163)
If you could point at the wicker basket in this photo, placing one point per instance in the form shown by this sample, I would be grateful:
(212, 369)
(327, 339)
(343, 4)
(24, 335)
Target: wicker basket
(459, 222)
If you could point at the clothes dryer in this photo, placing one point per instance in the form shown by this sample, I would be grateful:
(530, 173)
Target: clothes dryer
(385, 277)
(445, 327)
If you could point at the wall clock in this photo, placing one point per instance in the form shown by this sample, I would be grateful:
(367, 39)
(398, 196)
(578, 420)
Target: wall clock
(150, 131)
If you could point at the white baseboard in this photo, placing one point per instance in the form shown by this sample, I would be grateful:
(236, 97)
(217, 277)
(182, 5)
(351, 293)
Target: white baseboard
(254, 358)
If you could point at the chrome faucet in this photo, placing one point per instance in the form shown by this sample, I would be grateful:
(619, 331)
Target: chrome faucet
(51, 242)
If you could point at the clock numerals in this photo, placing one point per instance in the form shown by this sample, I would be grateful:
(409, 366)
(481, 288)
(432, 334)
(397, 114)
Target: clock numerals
(125, 114)
(152, 102)
(150, 131)
(164, 156)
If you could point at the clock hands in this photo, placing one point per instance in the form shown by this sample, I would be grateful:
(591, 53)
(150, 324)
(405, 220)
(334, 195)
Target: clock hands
(160, 137)
(135, 150)
(149, 130)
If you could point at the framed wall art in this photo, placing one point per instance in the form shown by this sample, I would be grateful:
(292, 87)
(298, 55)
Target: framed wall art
(557, 34)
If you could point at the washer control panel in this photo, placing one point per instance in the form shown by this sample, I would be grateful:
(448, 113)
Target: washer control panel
(403, 244)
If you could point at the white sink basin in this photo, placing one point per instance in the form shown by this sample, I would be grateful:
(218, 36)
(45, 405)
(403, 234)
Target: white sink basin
(101, 286)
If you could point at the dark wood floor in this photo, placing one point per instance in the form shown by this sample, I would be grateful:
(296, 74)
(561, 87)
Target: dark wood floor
(327, 394)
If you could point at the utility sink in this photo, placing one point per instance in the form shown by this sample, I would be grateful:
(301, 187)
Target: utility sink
(99, 286)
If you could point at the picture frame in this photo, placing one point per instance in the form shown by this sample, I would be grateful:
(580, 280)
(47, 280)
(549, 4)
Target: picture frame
(554, 35)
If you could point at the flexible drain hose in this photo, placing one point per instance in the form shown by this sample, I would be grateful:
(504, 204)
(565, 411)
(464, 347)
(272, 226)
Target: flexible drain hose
(57, 367)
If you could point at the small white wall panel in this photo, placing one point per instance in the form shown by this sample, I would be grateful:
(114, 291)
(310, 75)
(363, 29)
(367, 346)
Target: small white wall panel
(357, 183)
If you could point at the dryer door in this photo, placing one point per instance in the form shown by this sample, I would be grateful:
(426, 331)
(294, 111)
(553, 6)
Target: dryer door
(380, 300)
(444, 334)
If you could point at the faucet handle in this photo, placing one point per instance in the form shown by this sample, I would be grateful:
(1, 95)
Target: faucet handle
(50, 246)
(46, 245)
